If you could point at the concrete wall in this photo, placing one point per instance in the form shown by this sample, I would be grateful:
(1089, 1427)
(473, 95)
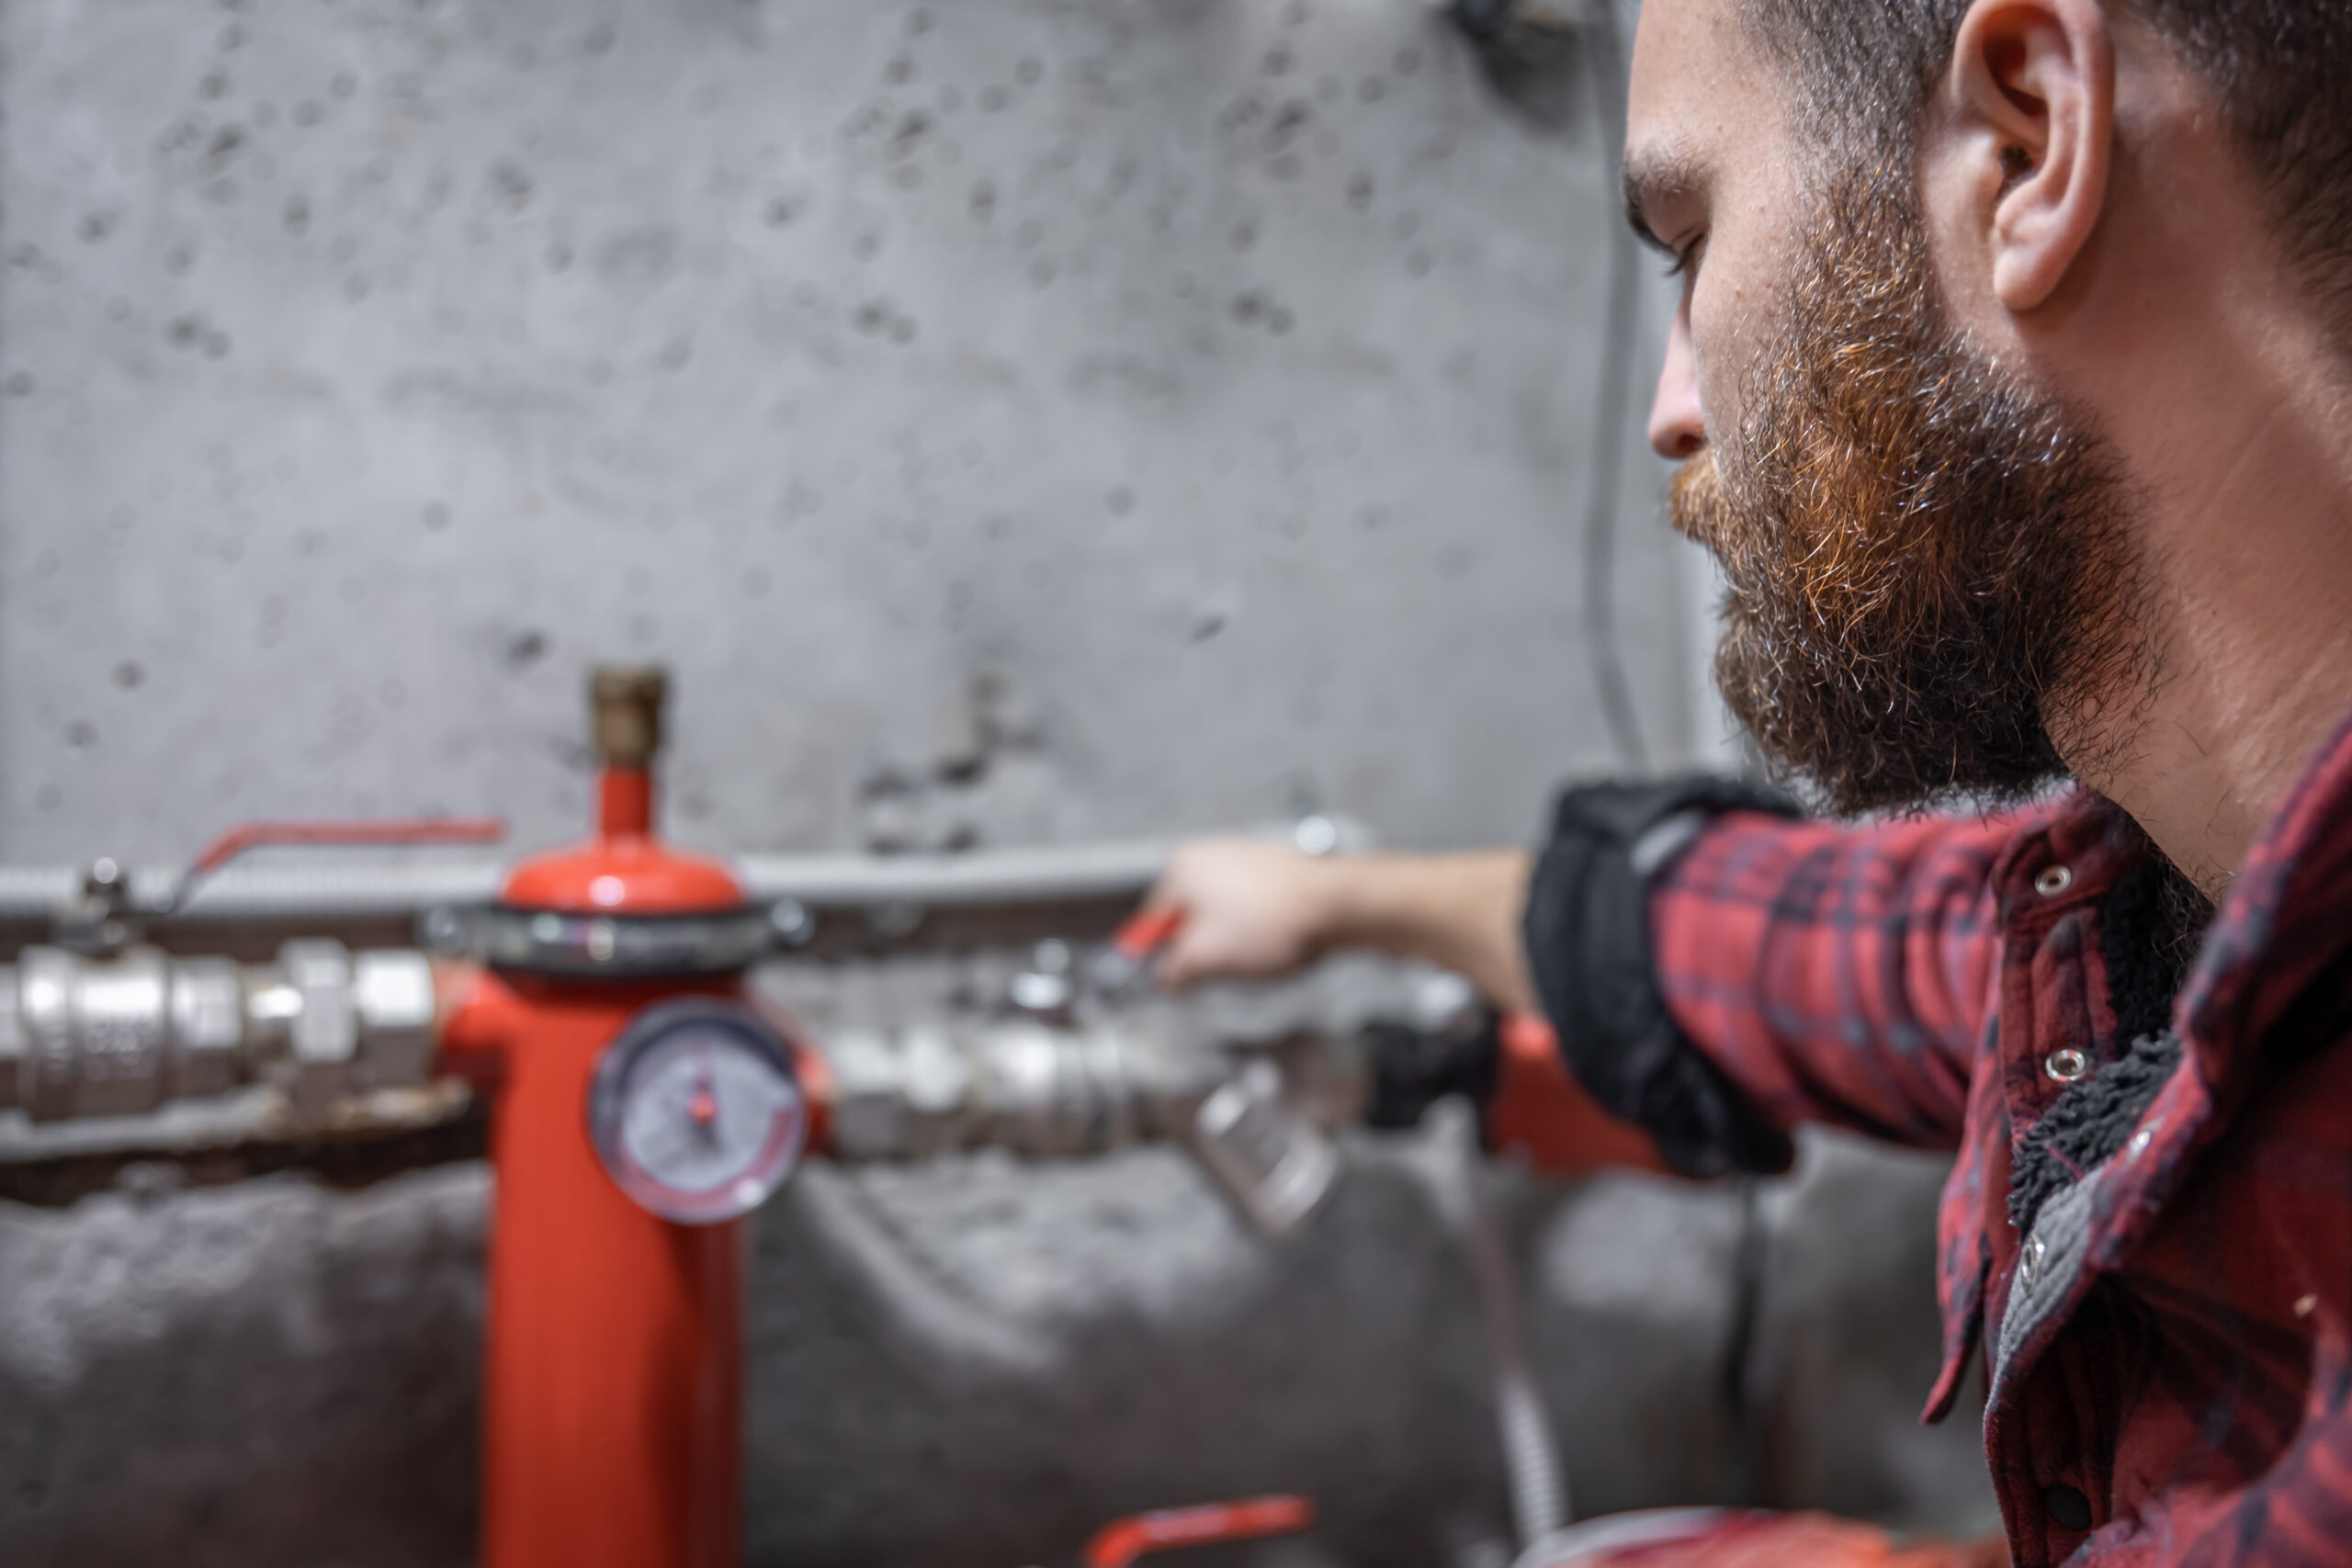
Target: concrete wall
(1011, 419)
(974, 1364)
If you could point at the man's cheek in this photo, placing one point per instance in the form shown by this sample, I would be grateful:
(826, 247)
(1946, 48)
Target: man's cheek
(1732, 350)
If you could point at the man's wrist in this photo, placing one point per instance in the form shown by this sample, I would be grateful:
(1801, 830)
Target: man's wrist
(1346, 899)
(1458, 912)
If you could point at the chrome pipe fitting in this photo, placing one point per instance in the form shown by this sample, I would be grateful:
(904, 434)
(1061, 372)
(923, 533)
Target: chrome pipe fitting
(125, 1035)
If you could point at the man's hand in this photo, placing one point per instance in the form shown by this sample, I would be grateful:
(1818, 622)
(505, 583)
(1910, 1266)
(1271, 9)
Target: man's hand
(1258, 911)
(1253, 910)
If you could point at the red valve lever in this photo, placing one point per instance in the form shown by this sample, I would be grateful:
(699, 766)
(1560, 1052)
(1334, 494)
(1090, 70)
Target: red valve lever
(1121, 1541)
(1132, 946)
(393, 831)
(1147, 934)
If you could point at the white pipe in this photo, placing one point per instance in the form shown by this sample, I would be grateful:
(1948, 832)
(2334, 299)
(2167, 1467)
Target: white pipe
(321, 885)
(290, 884)
(1042, 874)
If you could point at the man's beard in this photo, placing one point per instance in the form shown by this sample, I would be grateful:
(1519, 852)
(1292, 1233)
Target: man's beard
(1927, 561)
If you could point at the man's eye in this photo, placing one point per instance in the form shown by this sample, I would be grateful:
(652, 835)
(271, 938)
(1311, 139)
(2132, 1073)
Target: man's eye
(1685, 261)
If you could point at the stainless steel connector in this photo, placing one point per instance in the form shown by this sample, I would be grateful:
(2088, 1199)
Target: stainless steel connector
(124, 1035)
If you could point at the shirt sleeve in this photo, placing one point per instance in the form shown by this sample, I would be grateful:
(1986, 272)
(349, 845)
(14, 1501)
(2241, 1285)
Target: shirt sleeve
(1720, 972)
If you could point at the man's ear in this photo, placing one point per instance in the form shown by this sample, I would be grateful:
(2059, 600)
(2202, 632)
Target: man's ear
(2031, 101)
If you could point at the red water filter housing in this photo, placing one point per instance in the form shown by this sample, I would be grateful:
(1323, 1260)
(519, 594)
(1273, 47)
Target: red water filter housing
(1539, 1112)
(612, 1421)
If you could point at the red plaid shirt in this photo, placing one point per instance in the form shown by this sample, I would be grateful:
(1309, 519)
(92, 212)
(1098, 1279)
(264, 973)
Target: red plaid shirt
(2177, 1354)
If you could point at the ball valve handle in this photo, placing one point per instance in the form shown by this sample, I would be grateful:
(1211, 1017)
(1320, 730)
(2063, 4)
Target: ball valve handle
(1120, 1543)
(1133, 947)
(393, 831)
(1275, 1165)
(400, 831)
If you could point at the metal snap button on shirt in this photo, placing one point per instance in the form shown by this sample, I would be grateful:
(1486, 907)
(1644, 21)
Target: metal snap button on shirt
(2054, 880)
(2029, 1262)
(2068, 1506)
(2065, 1064)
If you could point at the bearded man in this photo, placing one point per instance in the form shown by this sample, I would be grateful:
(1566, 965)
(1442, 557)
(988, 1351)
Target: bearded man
(2012, 382)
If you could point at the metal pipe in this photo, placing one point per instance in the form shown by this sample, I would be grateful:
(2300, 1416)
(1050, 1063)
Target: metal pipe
(317, 887)
(1044, 874)
(127, 1034)
(327, 888)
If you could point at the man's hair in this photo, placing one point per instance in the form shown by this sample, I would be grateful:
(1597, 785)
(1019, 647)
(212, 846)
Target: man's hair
(2281, 71)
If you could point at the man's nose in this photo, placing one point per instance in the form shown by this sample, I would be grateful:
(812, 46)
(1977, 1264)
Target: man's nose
(1678, 427)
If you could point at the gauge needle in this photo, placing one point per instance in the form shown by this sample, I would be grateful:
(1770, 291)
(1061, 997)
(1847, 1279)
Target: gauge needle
(704, 1106)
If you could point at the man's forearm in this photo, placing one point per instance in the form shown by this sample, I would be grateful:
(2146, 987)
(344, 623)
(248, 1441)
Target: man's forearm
(1458, 912)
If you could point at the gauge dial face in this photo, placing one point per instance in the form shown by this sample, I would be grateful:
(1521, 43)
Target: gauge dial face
(695, 1111)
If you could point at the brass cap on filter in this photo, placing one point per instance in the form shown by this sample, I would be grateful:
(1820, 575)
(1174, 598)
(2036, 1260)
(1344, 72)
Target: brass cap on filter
(628, 702)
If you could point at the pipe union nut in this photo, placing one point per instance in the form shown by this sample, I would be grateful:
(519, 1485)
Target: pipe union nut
(326, 1029)
(392, 993)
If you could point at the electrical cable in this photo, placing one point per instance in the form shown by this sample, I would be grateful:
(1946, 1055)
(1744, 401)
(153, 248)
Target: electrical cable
(1531, 1470)
(1605, 54)
(1741, 1369)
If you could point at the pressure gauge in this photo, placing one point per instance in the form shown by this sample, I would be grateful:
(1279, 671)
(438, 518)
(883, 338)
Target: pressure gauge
(696, 1113)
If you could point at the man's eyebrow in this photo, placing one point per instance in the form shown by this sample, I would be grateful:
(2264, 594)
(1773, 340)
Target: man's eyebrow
(1653, 176)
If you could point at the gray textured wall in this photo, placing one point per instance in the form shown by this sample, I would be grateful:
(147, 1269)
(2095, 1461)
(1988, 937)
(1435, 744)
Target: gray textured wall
(1011, 419)
(972, 1365)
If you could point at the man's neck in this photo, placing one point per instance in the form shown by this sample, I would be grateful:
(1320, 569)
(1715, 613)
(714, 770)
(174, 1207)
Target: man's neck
(2243, 465)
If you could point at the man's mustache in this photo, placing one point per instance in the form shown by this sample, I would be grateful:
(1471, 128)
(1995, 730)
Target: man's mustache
(1696, 505)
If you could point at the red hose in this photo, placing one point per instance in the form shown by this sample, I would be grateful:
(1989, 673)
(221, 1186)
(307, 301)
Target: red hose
(389, 830)
(1121, 1541)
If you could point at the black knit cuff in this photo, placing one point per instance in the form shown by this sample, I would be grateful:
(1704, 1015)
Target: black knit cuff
(1587, 932)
